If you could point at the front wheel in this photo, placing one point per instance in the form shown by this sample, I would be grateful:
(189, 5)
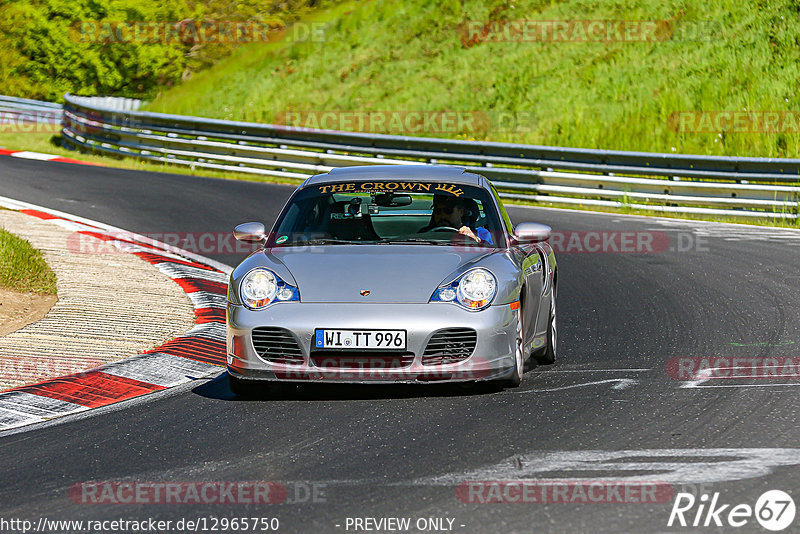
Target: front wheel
(245, 388)
(519, 355)
(547, 356)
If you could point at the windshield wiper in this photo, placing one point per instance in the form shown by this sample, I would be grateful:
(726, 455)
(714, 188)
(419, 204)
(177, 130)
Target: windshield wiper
(328, 241)
(414, 240)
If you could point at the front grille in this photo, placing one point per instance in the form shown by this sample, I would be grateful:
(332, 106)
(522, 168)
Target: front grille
(450, 345)
(372, 360)
(276, 345)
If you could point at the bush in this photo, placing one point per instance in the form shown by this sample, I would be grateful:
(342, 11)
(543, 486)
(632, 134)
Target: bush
(49, 47)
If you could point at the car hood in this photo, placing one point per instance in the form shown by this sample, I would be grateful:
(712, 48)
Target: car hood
(391, 273)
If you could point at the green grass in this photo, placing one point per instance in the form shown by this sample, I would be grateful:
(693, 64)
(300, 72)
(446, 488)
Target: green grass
(22, 267)
(408, 55)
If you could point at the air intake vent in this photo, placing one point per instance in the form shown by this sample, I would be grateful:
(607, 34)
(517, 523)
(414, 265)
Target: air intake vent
(276, 345)
(367, 361)
(450, 345)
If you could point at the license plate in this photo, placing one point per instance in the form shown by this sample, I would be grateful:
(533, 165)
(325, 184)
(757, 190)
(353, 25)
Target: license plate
(360, 339)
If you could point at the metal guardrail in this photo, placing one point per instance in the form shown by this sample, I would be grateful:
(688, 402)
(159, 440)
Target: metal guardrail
(25, 110)
(715, 185)
(111, 102)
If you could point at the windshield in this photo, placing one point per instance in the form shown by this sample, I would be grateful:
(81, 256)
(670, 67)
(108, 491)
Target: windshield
(365, 212)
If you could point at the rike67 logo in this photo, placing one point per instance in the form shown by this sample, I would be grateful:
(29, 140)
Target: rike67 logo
(774, 510)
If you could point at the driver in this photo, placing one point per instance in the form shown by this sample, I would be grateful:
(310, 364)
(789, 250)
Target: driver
(450, 212)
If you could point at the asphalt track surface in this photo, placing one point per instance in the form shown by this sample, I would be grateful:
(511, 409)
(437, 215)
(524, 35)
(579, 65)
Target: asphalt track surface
(377, 451)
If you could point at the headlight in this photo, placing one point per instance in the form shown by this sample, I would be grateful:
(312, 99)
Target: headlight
(260, 287)
(474, 289)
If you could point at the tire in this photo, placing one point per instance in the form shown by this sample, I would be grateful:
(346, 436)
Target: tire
(515, 379)
(245, 388)
(547, 356)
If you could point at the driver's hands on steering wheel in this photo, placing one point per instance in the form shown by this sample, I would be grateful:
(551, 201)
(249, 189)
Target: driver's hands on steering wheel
(464, 230)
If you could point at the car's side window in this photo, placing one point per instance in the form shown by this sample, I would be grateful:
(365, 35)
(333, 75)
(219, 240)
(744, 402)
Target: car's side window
(503, 213)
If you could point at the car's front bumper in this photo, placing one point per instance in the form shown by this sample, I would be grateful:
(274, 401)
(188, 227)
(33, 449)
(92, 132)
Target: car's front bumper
(492, 358)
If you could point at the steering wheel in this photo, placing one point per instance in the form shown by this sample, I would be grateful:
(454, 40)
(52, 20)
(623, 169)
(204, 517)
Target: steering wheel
(439, 228)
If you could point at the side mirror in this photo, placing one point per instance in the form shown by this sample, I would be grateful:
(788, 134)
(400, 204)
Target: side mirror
(252, 232)
(531, 233)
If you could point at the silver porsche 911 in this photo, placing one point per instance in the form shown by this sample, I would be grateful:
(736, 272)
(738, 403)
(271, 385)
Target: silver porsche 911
(398, 273)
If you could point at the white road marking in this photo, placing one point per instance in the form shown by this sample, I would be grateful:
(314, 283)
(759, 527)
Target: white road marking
(695, 385)
(33, 155)
(28, 403)
(11, 419)
(729, 231)
(724, 227)
(595, 371)
(74, 226)
(205, 299)
(161, 369)
(619, 383)
(10, 203)
(19, 409)
(702, 377)
(706, 375)
(680, 466)
(211, 330)
(176, 270)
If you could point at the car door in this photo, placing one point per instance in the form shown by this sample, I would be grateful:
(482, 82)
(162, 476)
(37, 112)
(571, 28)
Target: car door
(531, 265)
(547, 290)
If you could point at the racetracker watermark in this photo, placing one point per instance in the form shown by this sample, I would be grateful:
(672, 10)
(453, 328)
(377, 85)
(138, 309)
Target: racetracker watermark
(734, 121)
(211, 243)
(32, 122)
(352, 367)
(718, 367)
(607, 242)
(193, 32)
(410, 122)
(568, 492)
(586, 31)
(16, 368)
(243, 492)
(625, 242)
(206, 243)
